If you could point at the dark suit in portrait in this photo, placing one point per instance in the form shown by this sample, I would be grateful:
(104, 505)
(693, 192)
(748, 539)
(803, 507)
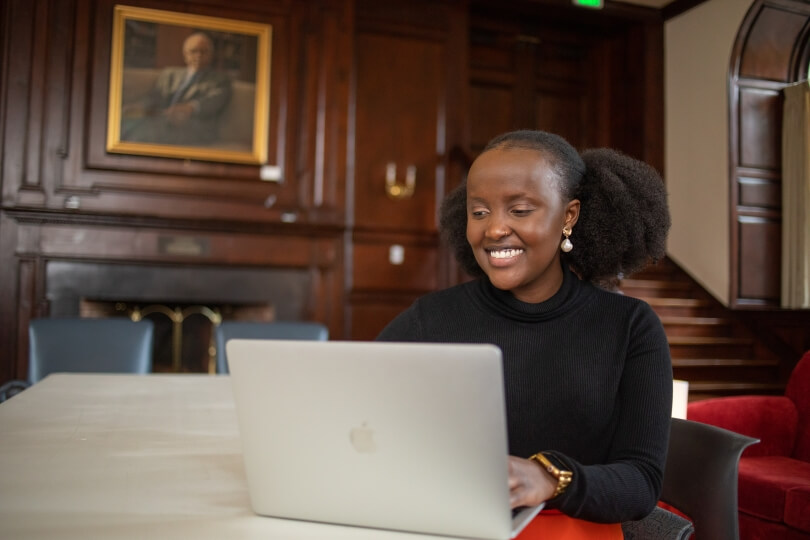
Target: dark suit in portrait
(184, 105)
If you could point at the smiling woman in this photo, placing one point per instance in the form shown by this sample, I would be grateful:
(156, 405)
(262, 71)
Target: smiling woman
(587, 371)
(515, 213)
(624, 200)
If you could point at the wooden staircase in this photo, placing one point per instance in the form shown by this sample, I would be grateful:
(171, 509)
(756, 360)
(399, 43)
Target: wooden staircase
(711, 348)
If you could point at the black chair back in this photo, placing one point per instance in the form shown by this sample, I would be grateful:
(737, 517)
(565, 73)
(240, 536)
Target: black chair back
(700, 478)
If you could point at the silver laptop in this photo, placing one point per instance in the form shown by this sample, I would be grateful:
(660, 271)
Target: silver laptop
(400, 436)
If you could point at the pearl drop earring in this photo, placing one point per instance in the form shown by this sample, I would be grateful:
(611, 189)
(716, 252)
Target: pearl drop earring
(566, 244)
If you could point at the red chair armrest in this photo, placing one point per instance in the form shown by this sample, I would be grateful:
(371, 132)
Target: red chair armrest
(771, 419)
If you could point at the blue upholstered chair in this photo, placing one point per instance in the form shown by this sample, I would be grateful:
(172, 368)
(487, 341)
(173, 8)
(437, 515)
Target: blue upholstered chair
(86, 345)
(265, 330)
(111, 345)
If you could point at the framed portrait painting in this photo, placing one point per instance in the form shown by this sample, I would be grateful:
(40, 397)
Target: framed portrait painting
(188, 86)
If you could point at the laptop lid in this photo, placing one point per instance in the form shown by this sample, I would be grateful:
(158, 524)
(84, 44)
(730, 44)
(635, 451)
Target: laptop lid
(402, 436)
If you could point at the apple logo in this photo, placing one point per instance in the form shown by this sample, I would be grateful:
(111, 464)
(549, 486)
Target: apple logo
(362, 439)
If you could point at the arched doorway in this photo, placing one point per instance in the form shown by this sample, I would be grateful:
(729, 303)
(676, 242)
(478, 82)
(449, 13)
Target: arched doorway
(772, 50)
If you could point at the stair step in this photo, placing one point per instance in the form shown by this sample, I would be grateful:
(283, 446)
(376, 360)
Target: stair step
(654, 288)
(697, 321)
(660, 270)
(746, 370)
(696, 326)
(655, 282)
(708, 389)
(710, 341)
(680, 302)
(679, 307)
(713, 350)
(724, 362)
(702, 346)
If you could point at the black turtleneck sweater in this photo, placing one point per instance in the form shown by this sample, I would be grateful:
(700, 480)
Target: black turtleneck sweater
(588, 378)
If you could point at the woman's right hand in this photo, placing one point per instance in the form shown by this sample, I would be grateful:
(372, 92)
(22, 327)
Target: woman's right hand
(529, 484)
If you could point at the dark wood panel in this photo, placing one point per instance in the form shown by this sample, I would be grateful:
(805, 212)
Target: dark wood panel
(760, 249)
(58, 83)
(562, 114)
(594, 87)
(395, 267)
(369, 319)
(760, 192)
(770, 43)
(71, 161)
(760, 125)
(426, 19)
(494, 113)
(487, 55)
(17, 82)
(561, 59)
(173, 246)
(400, 99)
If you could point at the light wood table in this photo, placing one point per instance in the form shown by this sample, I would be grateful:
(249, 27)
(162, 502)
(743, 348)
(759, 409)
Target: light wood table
(129, 456)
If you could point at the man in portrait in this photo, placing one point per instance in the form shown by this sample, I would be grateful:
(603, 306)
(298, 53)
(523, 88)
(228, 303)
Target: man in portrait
(185, 103)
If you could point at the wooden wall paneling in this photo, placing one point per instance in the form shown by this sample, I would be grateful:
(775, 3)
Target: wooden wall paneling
(760, 247)
(624, 93)
(594, 84)
(403, 116)
(769, 45)
(107, 241)
(103, 179)
(335, 47)
(760, 128)
(562, 109)
(767, 54)
(141, 211)
(400, 94)
(759, 192)
(371, 313)
(493, 77)
(559, 86)
(756, 153)
(653, 95)
(624, 78)
(600, 97)
(50, 97)
(493, 106)
(386, 266)
(28, 285)
(18, 62)
(327, 300)
(457, 124)
(320, 99)
(66, 70)
(9, 303)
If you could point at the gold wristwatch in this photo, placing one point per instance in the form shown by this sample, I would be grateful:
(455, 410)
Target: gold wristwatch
(563, 477)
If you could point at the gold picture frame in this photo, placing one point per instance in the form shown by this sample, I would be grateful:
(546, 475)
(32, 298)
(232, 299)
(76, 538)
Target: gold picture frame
(191, 87)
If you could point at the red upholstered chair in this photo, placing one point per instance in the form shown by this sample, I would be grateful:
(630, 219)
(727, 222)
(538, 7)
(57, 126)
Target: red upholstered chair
(774, 475)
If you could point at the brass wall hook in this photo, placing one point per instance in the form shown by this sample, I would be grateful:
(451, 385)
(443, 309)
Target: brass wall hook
(399, 191)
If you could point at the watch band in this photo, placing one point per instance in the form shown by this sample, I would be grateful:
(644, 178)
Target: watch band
(563, 477)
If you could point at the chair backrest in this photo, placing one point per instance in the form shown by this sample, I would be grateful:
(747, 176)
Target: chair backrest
(700, 478)
(112, 345)
(798, 391)
(265, 330)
